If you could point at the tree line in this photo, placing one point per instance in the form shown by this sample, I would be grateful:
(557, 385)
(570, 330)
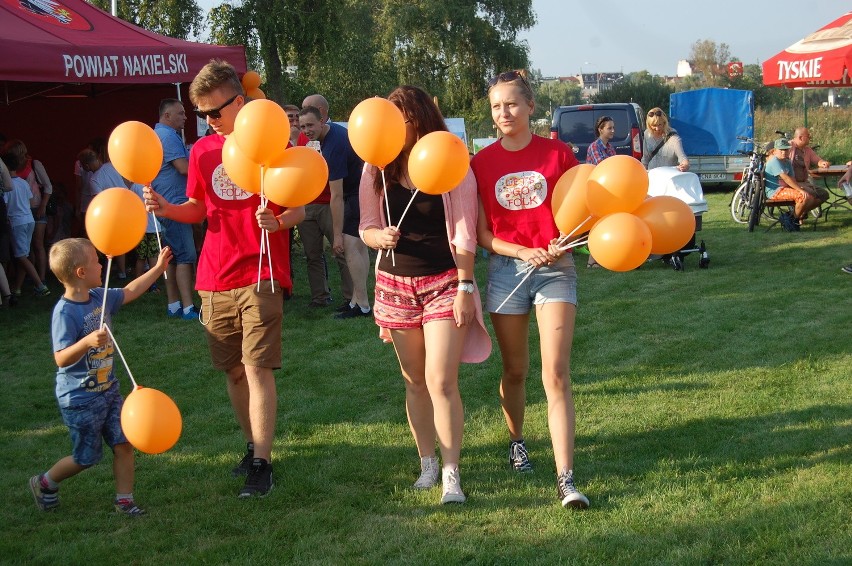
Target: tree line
(349, 50)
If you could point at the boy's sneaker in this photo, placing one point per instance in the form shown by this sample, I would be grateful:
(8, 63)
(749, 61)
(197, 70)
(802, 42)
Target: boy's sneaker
(452, 487)
(429, 472)
(128, 507)
(192, 314)
(244, 466)
(519, 460)
(42, 291)
(258, 481)
(174, 314)
(568, 493)
(45, 499)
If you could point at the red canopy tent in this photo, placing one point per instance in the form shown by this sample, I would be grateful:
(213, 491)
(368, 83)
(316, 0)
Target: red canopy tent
(821, 60)
(71, 72)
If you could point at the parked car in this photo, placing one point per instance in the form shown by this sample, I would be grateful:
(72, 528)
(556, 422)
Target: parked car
(575, 125)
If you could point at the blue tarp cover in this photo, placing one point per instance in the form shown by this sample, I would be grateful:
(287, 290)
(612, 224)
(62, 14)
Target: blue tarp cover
(710, 119)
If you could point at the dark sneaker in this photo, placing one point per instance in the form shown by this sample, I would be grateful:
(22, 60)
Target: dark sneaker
(258, 481)
(844, 269)
(353, 312)
(568, 493)
(192, 314)
(244, 466)
(174, 314)
(344, 306)
(128, 507)
(519, 460)
(45, 499)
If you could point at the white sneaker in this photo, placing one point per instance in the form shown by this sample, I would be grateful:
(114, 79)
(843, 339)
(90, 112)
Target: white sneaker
(452, 487)
(429, 470)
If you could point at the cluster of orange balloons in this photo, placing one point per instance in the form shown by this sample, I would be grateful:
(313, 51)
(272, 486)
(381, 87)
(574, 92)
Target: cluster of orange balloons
(610, 201)
(257, 160)
(251, 84)
(150, 420)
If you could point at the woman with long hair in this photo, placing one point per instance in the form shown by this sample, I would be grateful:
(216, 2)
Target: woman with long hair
(426, 299)
(663, 146)
(515, 177)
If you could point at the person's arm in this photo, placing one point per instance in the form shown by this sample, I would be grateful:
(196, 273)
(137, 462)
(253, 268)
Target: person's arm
(464, 307)
(789, 181)
(141, 284)
(487, 239)
(677, 147)
(811, 158)
(266, 220)
(181, 164)
(190, 212)
(73, 353)
(336, 204)
(5, 178)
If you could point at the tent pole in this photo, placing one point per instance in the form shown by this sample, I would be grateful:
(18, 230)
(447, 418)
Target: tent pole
(183, 130)
(805, 107)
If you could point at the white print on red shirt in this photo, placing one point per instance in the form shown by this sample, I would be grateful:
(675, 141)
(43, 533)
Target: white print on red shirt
(521, 190)
(224, 187)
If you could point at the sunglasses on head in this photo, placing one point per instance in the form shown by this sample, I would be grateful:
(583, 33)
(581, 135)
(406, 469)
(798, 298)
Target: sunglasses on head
(508, 77)
(655, 113)
(214, 113)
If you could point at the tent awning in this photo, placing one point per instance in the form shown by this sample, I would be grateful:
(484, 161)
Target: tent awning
(71, 41)
(822, 59)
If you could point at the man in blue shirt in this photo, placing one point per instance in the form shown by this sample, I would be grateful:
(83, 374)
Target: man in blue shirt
(171, 183)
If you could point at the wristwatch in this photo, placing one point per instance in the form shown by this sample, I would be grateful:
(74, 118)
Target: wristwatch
(467, 287)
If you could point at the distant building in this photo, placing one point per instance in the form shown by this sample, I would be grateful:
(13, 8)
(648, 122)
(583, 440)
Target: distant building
(684, 68)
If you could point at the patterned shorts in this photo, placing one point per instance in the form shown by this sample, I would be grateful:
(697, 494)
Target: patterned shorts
(148, 247)
(788, 193)
(411, 302)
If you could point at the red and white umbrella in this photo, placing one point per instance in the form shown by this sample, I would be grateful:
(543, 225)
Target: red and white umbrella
(822, 59)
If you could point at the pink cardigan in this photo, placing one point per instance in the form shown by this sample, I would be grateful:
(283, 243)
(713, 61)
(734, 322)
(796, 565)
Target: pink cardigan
(460, 209)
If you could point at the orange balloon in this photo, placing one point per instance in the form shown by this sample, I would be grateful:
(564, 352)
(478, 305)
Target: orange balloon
(136, 152)
(670, 220)
(438, 162)
(617, 184)
(150, 420)
(620, 241)
(251, 80)
(262, 130)
(255, 94)
(244, 172)
(116, 221)
(377, 131)
(296, 178)
(569, 201)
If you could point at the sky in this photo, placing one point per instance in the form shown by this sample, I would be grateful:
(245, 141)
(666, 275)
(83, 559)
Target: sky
(604, 36)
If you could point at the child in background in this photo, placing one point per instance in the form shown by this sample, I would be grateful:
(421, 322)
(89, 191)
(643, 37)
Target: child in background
(146, 251)
(22, 223)
(86, 388)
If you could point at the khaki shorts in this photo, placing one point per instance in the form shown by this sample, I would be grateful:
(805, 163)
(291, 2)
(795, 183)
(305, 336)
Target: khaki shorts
(244, 325)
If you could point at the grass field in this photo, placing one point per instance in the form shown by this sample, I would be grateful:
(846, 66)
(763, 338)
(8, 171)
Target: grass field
(714, 427)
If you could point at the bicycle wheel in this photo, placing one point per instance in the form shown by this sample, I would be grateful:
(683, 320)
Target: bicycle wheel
(756, 210)
(740, 203)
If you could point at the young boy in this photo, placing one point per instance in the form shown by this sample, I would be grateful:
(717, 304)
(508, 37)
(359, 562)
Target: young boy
(86, 387)
(22, 226)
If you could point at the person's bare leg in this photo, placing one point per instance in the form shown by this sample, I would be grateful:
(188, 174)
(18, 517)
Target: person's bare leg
(238, 393)
(262, 409)
(444, 342)
(512, 333)
(358, 261)
(410, 350)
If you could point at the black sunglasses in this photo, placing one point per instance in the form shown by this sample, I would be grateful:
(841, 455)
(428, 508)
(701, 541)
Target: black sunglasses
(215, 113)
(508, 77)
(655, 113)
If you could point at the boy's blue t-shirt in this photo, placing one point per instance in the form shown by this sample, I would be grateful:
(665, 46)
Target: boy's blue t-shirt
(92, 374)
(772, 174)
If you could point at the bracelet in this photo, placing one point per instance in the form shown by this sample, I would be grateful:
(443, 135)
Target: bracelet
(518, 253)
(465, 280)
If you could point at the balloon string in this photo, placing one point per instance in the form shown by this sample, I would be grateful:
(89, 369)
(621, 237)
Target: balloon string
(118, 349)
(527, 276)
(404, 212)
(387, 207)
(106, 289)
(159, 242)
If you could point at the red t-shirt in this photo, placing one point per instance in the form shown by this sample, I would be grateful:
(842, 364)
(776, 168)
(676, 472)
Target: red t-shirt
(230, 256)
(516, 188)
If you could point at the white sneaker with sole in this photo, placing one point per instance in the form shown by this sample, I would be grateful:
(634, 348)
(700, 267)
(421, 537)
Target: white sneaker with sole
(429, 472)
(452, 487)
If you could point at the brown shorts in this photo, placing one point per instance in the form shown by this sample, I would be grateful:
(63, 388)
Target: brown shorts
(244, 325)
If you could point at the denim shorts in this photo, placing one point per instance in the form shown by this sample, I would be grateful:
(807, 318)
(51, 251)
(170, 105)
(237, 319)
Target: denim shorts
(93, 423)
(178, 236)
(555, 283)
(22, 235)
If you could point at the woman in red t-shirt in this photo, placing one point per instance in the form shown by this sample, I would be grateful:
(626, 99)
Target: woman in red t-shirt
(515, 180)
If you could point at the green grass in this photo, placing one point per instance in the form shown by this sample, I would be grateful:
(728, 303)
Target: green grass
(714, 426)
